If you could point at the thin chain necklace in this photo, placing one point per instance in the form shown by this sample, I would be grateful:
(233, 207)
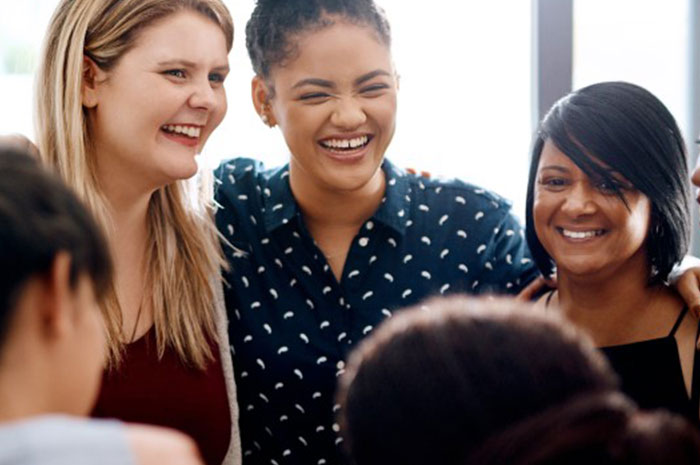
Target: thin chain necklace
(136, 324)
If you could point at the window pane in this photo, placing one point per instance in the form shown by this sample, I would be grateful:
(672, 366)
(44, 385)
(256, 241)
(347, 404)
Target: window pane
(641, 41)
(464, 102)
(22, 25)
(463, 105)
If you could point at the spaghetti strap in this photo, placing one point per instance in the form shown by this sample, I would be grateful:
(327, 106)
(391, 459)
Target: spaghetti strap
(695, 382)
(549, 298)
(678, 321)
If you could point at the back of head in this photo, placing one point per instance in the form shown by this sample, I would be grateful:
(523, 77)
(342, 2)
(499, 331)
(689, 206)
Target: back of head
(599, 428)
(40, 217)
(272, 27)
(431, 384)
(633, 133)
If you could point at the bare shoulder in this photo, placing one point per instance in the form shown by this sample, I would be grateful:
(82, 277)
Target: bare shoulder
(154, 445)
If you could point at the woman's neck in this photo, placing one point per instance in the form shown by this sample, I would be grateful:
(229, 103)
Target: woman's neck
(619, 306)
(330, 208)
(128, 240)
(334, 217)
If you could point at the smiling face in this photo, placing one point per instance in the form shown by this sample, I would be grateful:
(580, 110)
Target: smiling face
(582, 223)
(152, 112)
(335, 102)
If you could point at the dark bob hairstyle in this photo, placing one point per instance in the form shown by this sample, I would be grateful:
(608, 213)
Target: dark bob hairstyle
(631, 131)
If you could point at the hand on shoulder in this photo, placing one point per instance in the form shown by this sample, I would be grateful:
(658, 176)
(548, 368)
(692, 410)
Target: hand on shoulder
(153, 445)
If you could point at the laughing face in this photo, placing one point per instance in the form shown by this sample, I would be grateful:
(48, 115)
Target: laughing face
(335, 103)
(582, 223)
(151, 114)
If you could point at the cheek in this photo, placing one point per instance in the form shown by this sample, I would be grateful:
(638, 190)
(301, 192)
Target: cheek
(384, 111)
(542, 208)
(638, 223)
(299, 125)
(221, 108)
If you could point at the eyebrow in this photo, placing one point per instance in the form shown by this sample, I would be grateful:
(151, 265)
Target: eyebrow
(190, 64)
(558, 168)
(330, 85)
(314, 82)
(372, 74)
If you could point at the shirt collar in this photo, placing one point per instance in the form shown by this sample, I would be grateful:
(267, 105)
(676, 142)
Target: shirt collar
(281, 207)
(278, 201)
(394, 210)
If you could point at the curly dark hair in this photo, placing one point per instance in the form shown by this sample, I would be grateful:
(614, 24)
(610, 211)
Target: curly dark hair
(274, 23)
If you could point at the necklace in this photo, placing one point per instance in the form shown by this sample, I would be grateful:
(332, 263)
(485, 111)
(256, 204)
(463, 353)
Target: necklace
(136, 324)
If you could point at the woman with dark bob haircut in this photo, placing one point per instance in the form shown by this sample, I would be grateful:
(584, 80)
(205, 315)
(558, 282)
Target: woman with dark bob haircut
(473, 381)
(608, 213)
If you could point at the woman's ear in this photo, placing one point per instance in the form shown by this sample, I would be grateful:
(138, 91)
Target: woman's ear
(58, 300)
(261, 95)
(92, 77)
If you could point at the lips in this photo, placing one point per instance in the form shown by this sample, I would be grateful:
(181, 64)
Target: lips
(185, 134)
(346, 144)
(581, 234)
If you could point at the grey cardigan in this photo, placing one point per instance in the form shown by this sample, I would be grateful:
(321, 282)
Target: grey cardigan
(233, 456)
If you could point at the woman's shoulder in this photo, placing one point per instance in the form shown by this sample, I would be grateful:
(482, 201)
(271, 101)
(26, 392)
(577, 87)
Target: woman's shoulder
(245, 176)
(426, 188)
(238, 167)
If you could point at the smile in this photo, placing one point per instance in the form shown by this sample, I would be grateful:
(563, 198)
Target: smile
(345, 145)
(181, 129)
(581, 234)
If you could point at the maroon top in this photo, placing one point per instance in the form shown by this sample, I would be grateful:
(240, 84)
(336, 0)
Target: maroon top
(167, 393)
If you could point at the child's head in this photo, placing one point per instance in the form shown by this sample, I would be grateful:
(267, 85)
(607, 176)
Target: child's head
(54, 266)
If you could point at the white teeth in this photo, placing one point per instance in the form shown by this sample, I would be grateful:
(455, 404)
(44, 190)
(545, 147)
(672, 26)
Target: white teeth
(581, 234)
(345, 143)
(190, 131)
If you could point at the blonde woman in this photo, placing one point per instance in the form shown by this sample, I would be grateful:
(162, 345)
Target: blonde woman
(127, 94)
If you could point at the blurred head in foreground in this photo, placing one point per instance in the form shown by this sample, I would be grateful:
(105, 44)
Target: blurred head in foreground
(461, 381)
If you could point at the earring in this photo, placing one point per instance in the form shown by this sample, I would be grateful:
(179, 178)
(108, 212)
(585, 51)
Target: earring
(263, 115)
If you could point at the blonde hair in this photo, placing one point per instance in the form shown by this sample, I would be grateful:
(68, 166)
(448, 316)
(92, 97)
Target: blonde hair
(185, 256)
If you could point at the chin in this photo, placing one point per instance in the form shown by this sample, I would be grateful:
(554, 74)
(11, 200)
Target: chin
(181, 172)
(582, 270)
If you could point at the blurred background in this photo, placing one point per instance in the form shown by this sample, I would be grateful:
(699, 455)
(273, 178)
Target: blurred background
(476, 76)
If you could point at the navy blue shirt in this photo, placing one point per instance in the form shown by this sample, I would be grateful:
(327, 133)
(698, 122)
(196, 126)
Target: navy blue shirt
(292, 323)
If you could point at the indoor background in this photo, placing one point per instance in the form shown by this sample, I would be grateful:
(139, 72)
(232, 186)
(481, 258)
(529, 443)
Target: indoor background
(476, 75)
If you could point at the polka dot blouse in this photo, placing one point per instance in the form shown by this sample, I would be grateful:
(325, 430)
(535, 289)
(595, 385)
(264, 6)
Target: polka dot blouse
(292, 324)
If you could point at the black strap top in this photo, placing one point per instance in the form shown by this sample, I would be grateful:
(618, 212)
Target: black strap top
(651, 373)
